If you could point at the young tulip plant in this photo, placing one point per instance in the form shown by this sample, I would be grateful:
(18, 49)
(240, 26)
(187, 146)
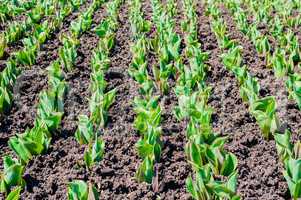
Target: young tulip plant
(290, 155)
(100, 101)
(11, 175)
(27, 56)
(167, 46)
(7, 79)
(204, 149)
(85, 135)
(147, 107)
(149, 146)
(219, 27)
(293, 84)
(80, 190)
(68, 52)
(139, 26)
(138, 68)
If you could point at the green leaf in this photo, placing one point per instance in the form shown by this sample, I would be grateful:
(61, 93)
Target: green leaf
(283, 144)
(79, 190)
(12, 174)
(264, 110)
(15, 194)
(229, 165)
(94, 153)
(84, 133)
(2, 45)
(145, 171)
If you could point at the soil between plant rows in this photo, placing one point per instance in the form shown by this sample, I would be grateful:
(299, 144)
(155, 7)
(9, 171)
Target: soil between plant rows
(260, 172)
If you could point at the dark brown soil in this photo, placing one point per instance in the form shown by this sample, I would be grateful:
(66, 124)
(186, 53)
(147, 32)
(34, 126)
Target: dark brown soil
(260, 172)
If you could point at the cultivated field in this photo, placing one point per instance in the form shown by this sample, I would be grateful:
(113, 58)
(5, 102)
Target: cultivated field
(150, 99)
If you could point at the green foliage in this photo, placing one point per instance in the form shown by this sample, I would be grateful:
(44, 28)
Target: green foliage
(195, 106)
(68, 52)
(292, 175)
(148, 113)
(249, 89)
(280, 65)
(100, 61)
(220, 29)
(41, 32)
(94, 152)
(139, 25)
(290, 155)
(11, 175)
(51, 103)
(293, 84)
(204, 187)
(2, 45)
(103, 29)
(48, 112)
(167, 45)
(14, 32)
(100, 102)
(264, 110)
(15, 194)
(28, 55)
(241, 21)
(84, 133)
(149, 145)
(145, 171)
(262, 45)
(283, 145)
(79, 190)
(138, 67)
(233, 58)
(7, 79)
(33, 142)
(83, 23)
(205, 149)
